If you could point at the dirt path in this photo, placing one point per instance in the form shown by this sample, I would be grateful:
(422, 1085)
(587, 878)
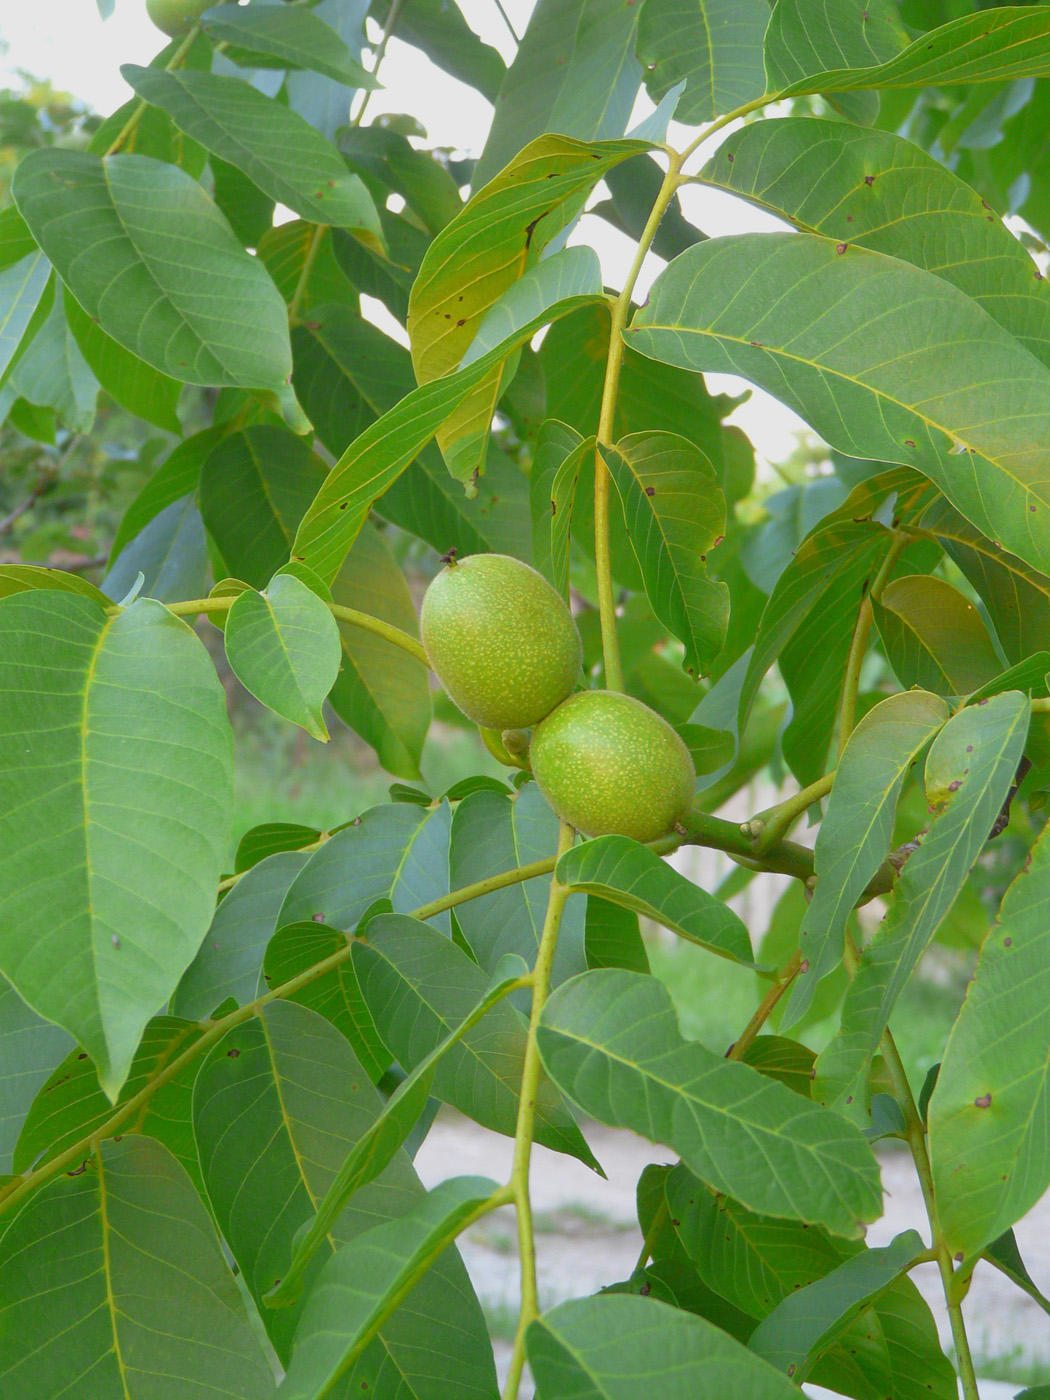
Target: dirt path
(587, 1236)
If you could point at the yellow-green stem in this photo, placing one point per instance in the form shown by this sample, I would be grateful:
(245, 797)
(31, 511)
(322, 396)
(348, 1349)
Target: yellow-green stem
(388, 29)
(764, 1009)
(195, 606)
(915, 1134)
(175, 61)
(606, 424)
(525, 1127)
(777, 820)
(296, 302)
(859, 644)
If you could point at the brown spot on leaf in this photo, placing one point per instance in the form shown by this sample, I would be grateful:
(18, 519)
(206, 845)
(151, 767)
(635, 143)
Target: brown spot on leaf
(232, 1054)
(985, 1101)
(650, 490)
(841, 247)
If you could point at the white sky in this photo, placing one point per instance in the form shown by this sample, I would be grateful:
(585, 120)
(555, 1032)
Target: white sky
(66, 41)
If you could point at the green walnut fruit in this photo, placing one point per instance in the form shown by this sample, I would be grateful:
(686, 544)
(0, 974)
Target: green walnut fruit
(175, 17)
(609, 764)
(502, 641)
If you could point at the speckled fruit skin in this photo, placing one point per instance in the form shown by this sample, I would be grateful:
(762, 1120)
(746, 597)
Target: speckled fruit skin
(609, 764)
(174, 17)
(502, 641)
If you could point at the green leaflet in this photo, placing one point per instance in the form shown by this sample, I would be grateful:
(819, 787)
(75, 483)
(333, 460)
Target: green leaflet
(362, 1284)
(283, 646)
(419, 987)
(614, 1346)
(375, 1149)
(113, 1251)
(1014, 43)
(492, 833)
(279, 1104)
(136, 385)
(845, 183)
(808, 36)
(71, 1104)
(987, 1113)
(635, 877)
(273, 37)
(856, 832)
(574, 72)
(675, 515)
(228, 961)
(610, 1041)
(375, 460)
(934, 637)
(134, 239)
(171, 554)
(347, 373)
(899, 366)
(397, 851)
(714, 45)
(22, 286)
(494, 243)
(560, 451)
(335, 995)
(807, 1322)
(110, 865)
(969, 769)
(29, 1046)
(275, 147)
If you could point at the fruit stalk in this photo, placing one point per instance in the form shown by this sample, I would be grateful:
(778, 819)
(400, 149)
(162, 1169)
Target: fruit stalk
(525, 1127)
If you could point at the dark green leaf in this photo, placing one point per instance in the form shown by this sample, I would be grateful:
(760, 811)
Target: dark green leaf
(382, 691)
(441, 31)
(834, 179)
(283, 647)
(397, 851)
(248, 211)
(989, 1152)
(615, 1347)
(115, 812)
(276, 148)
(269, 839)
(361, 1285)
(278, 37)
(150, 258)
(610, 1041)
(806, 1323)
(574, 72)
(552, 490)
(376, 459)
(71, 1104)
(714, 45)
(419, 987)
(29, 1046)
(782, 1059)
(492, 834)
(899, 365)
(856, 833)
(254, 488)
(335, 995)
(675, 515)
(969, 769)
(934, 637)
(612, 937)
(279, 1104)
(300, 257)
(229, 959)
(112, 1251)
(619, 869)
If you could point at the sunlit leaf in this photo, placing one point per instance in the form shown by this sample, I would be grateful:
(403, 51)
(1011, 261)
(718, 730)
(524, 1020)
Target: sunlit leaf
(934, 637)
(610, 1041)
(115, 812)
